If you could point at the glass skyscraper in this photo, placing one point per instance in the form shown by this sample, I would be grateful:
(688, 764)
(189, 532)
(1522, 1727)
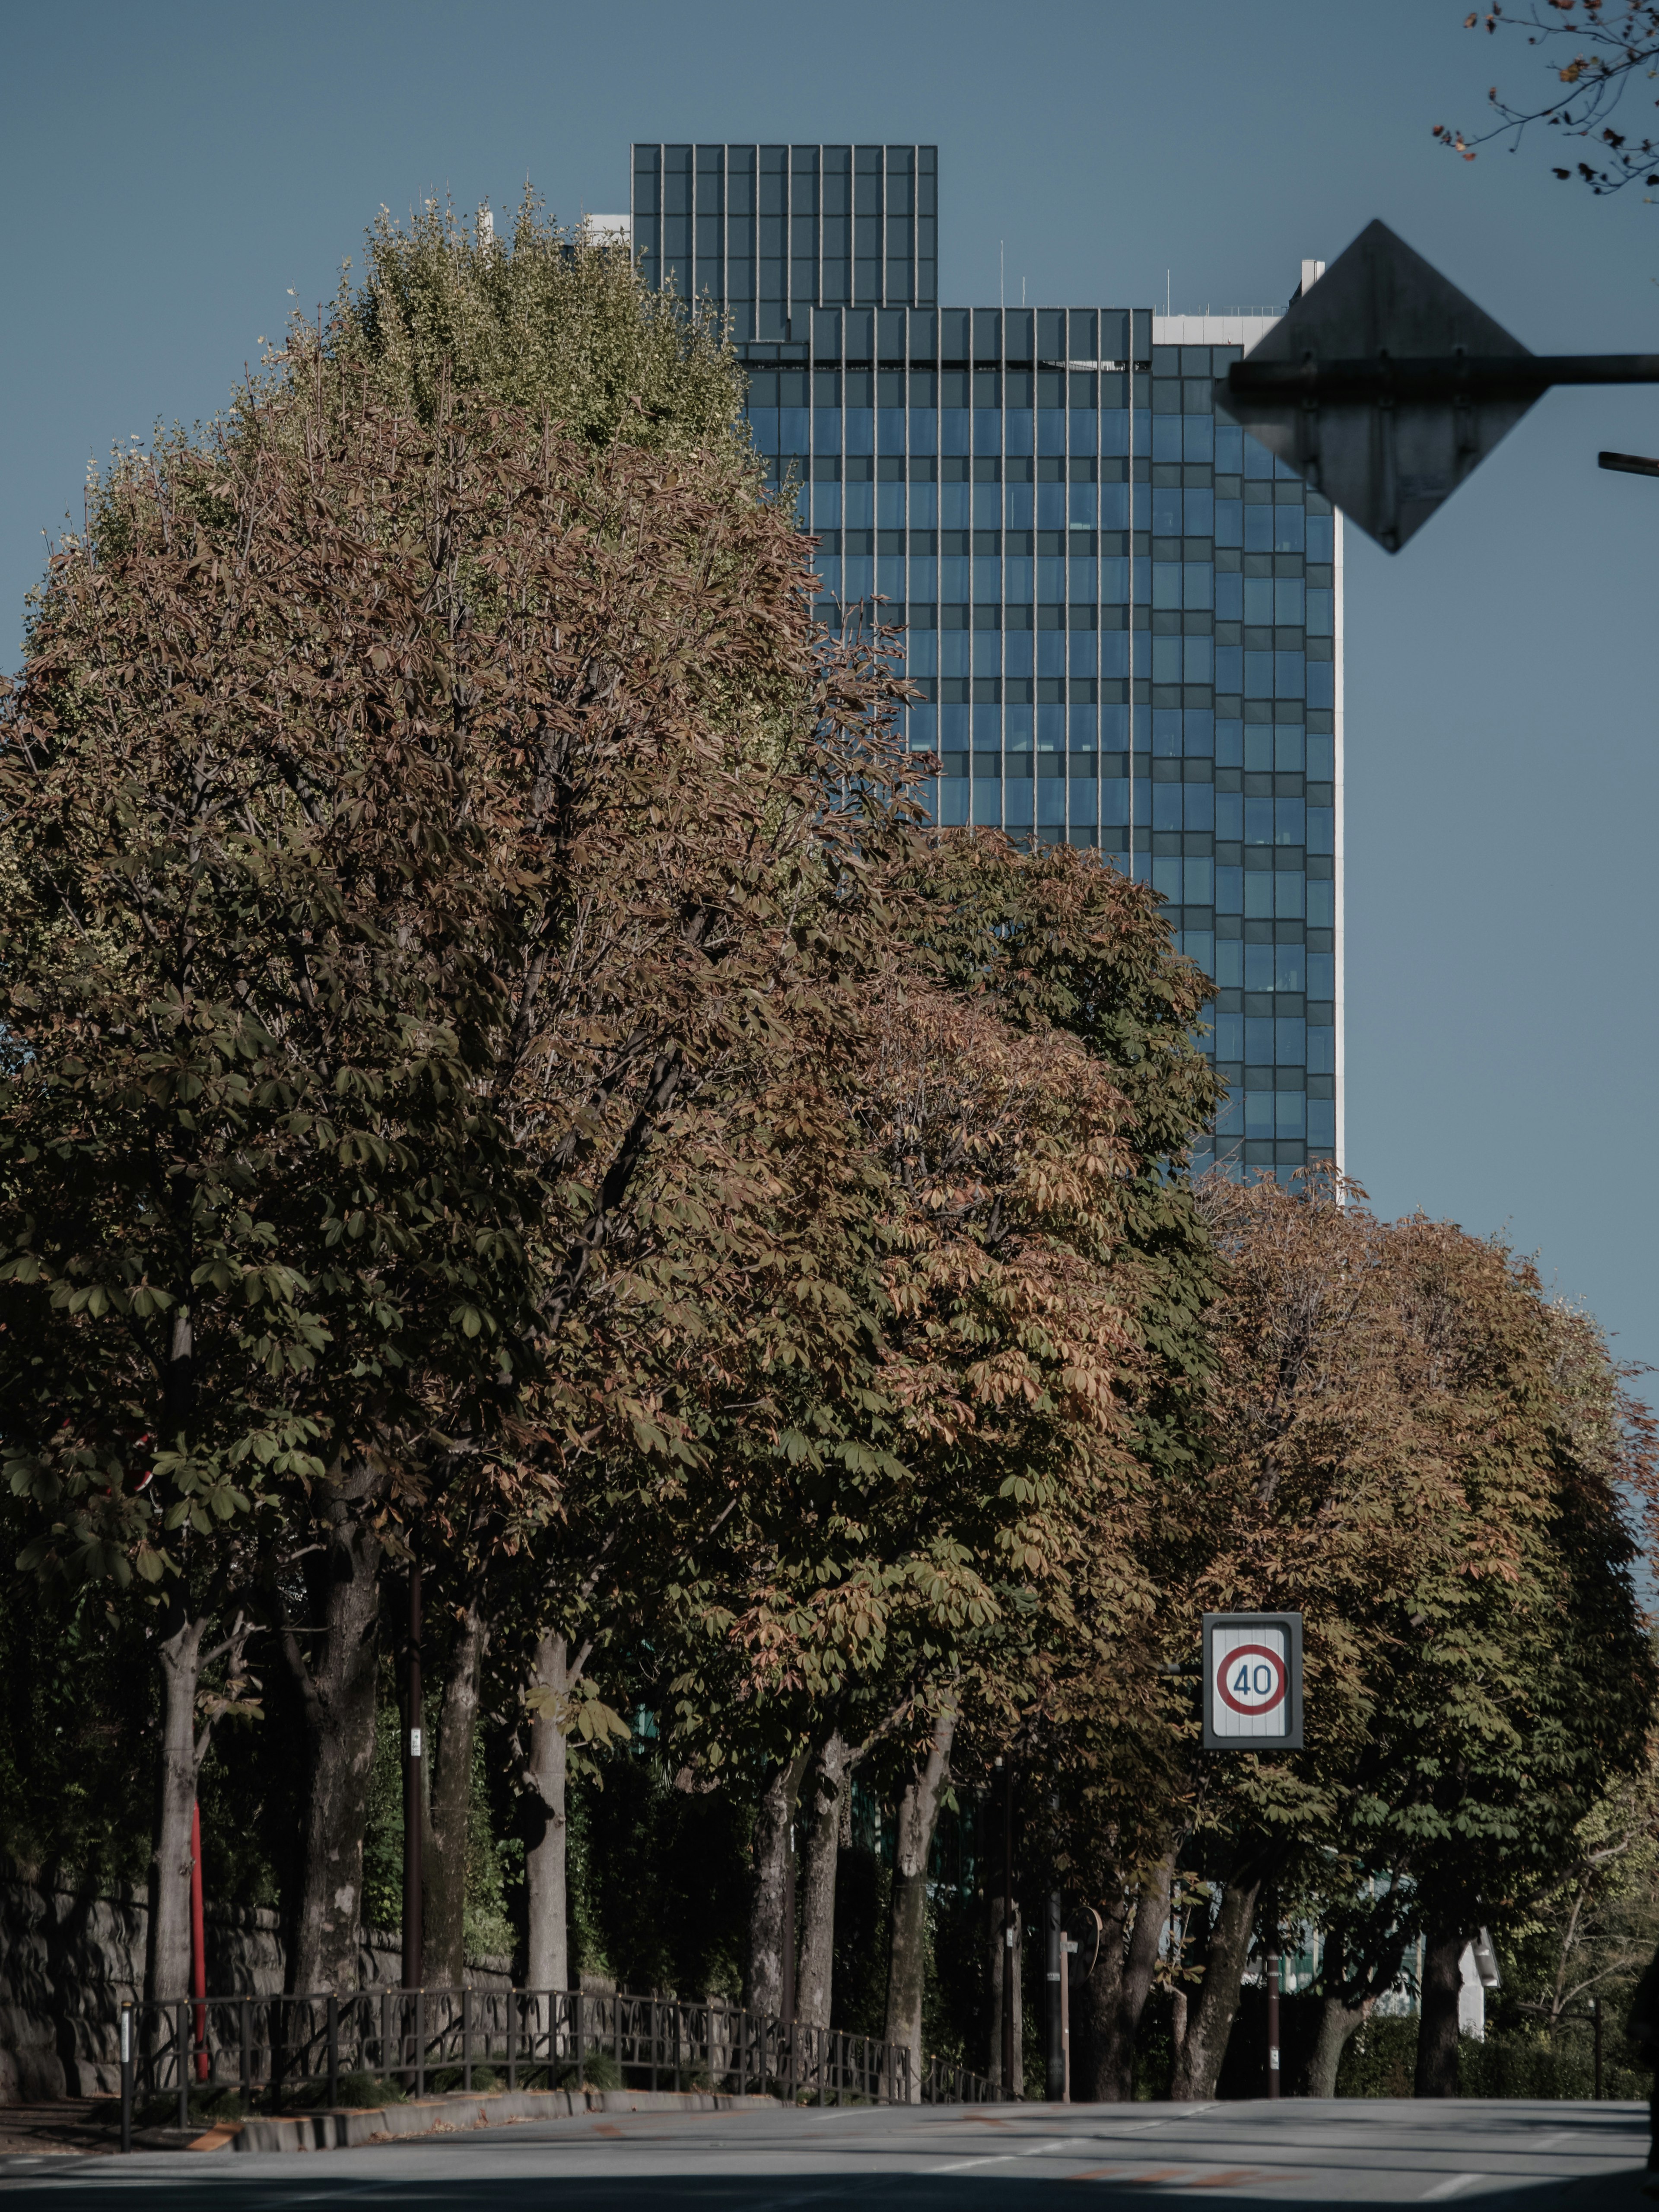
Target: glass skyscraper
(1125, 616)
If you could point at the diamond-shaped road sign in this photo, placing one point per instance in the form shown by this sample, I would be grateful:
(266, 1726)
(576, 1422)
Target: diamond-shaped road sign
(1387, 465)
(1383, 386)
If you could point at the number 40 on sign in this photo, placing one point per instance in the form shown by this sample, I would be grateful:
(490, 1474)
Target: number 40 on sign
(1252, 1681)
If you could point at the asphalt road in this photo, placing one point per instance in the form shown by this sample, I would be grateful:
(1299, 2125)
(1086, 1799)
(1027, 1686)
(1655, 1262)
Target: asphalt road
(1535, 2156)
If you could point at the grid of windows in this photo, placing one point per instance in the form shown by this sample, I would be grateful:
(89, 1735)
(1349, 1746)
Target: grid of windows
(1122, 615)
(768, 232)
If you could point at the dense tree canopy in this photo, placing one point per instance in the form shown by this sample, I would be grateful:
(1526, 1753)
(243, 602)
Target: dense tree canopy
(501, 1069)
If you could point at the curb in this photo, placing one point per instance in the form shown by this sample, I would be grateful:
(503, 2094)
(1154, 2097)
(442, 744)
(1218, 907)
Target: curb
(338, 2129)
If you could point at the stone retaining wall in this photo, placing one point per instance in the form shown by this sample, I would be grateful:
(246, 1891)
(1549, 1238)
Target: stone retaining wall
(68, 1959)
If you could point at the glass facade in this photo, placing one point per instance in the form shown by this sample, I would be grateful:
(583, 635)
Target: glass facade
(770, 233)
(1124, 616)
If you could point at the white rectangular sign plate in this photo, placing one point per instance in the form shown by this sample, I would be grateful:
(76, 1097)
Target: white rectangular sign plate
(1252, 1681)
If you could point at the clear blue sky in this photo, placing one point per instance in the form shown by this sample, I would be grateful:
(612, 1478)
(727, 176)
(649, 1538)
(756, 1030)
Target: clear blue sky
(169, 170)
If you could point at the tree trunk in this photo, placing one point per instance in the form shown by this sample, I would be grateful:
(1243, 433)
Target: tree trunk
(769, 1893)
(1437, 2027)
(1119, 2029)
(1198, 2062)
(1096, 2009)
(339, 1679)
(825, 1804)
(1337, 2023)
(167, 1966)
(547, 1957)
(906, 1968)
(1007, 1962)
(444, 1928)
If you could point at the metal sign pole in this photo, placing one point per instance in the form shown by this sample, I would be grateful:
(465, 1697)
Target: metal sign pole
(1455, 377)
(413, 1793)
(126, 2074)
(1253, 1701)
(1068, 1953)
(1010, 1955)
(1055, 1985)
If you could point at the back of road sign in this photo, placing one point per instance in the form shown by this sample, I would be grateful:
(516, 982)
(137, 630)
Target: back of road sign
(1252, 1681)
(1387, 465)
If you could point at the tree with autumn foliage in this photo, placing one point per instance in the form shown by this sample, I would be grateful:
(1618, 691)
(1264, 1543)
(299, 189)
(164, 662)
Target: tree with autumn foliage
(251, 1222)
(1055, 941)
(712, 846)
(1597, 57)
(929, 1491)
(1020, 1290)
(400, 852)
(779, 1347)
(1414, 1450)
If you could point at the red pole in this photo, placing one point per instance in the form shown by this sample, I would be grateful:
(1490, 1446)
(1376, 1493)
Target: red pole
(198, 1944)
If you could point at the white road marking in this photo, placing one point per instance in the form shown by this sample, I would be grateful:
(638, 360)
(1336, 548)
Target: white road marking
(1001, 2157)
(1449, 2187)
(1111, 2135)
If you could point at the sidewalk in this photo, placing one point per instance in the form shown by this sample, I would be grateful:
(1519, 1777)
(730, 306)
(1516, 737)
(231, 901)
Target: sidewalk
(90, 2126)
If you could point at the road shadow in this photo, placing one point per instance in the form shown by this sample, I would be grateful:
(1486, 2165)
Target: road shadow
(276, 2183)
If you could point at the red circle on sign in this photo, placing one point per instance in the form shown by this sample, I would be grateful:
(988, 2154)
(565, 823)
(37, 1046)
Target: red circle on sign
(1251, 1651)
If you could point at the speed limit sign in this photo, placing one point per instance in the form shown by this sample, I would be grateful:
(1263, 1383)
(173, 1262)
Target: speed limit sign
(1252, 1681)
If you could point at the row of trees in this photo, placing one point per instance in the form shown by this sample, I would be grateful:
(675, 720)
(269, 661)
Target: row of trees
(1418, 1450)
(502, 1071)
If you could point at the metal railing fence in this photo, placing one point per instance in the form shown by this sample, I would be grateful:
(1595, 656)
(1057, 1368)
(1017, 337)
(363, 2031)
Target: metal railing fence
(295, 2051)
(943, 2083)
